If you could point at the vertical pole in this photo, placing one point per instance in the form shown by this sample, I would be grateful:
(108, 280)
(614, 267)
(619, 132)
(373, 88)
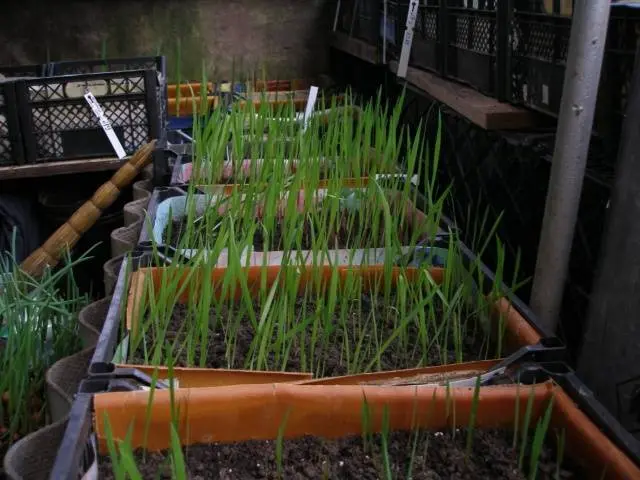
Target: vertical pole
(582, 75)
(336, 16)
(610, 358)
(384, 34)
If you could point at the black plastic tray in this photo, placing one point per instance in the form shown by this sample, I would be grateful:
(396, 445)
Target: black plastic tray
(161, 194)
(77, 450)
(165, 159)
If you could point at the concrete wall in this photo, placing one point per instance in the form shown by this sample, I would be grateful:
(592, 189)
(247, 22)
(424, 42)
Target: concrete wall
(286, 37)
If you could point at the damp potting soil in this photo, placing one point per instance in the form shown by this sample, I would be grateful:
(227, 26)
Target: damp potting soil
(438, 455)
(352, 230)
(333, 356)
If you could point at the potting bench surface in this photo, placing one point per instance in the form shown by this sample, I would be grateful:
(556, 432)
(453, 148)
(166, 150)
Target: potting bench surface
(32, 170)
(484, 111)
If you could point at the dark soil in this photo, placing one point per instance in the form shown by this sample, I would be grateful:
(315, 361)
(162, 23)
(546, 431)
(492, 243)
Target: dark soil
(329, 357)
(437, 456)
(351, 231)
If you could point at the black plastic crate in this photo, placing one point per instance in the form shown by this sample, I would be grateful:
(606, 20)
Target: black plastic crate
(58, 124)
(360, 19)
(427, 45)
(476, 39)
(11, 152)
(538, 49)
(75, 67)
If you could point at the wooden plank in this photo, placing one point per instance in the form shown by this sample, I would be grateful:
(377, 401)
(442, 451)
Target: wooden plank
(32, 170)
(356, 47)
(486, 112)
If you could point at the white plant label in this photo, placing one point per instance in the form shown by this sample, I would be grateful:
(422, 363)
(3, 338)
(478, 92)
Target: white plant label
(311, 103)
(78, 89)
(105, 124)
(414, 180)
(408, 39)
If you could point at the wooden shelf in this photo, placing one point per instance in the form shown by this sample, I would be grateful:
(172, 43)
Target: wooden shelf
(13, 172)
(357, 48)
(486, 112)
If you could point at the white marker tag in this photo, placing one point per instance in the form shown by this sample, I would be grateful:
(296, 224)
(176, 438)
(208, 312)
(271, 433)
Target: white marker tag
(175, 382)
(545, 94)
(105, 124)
(311, 102)
(403, 64)
(414, 180)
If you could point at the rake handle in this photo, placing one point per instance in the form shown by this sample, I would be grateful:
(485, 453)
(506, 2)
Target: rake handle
(87, 215)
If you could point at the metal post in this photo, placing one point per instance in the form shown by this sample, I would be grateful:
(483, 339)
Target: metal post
(582, 75)
(610, 359)
(384, 32)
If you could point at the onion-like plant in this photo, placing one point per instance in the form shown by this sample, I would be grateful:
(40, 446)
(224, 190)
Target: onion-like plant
(38, 326)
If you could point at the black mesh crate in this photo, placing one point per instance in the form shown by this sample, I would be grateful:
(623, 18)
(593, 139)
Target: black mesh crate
(74, 67)
(539, 48)
(360, 19)
(426, 47)
(540, 33)
(476, 37)
(11, 152)
(58, 124)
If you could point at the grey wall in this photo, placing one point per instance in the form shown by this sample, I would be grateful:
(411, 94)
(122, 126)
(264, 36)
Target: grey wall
(288, 38)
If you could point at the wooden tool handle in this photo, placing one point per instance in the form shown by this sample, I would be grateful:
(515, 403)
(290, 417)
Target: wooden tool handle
(87, 215)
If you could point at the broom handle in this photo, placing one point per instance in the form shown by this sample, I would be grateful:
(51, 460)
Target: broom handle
(86, 216)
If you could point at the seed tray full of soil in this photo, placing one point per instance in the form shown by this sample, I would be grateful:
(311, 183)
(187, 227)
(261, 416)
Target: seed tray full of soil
(351, 230)
(329, 355)
(438, 455)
